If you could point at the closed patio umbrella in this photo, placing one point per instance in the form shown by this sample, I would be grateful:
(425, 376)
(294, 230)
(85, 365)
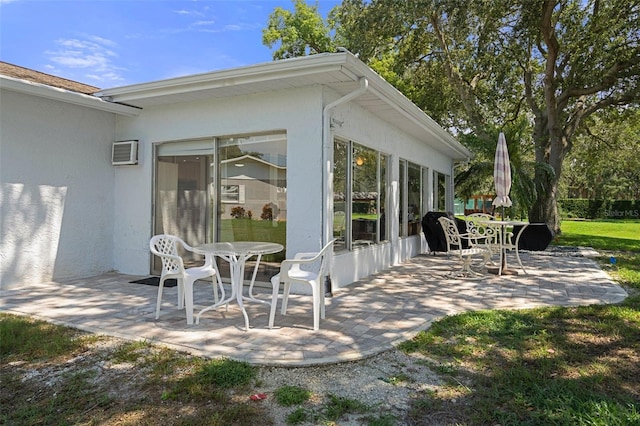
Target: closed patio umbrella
(502, 174)
(502, 182)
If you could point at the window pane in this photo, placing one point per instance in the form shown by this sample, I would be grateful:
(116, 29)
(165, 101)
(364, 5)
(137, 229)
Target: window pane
(340, 161)
(364, 196)
(403, 201)
(360, 195)
(253, 189)
(414, 199)
(383, 196)
(182, 199)
(439, 191)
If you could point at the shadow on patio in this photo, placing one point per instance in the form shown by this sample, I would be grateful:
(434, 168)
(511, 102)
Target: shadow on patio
(364, 319)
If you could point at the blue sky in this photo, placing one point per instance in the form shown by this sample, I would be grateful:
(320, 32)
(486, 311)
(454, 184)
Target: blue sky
(109, 43)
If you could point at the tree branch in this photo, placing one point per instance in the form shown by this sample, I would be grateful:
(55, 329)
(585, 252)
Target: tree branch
(458, 82)
(609, 79)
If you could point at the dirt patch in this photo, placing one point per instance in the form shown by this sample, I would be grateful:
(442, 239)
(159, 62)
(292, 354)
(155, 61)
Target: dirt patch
(116, 391)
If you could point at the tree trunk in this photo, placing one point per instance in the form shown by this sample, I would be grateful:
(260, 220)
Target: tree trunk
(548, 131)
(550, 152)
(545, 208)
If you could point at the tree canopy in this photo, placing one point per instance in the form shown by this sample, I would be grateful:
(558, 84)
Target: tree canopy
(299, 33)
(604, 162)
(485, 66)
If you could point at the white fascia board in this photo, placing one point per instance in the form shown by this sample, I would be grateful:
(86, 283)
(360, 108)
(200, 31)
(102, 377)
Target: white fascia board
(67, 96)
(397, 100)
(352, 68)
(296, 67)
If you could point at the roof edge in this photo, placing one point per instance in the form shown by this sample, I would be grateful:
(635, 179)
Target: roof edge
(396, 99)
(63, 95)
(245, 74)
(346, 62)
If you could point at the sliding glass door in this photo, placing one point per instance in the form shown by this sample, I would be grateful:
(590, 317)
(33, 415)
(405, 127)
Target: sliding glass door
(223, 189)
(183, 193)
(253, 189)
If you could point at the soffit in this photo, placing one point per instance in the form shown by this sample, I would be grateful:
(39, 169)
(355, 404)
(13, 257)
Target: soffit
(339, 71)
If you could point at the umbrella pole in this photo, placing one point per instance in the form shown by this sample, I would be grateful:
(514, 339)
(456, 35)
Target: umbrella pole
(503, 265)
(502, 269)
(505, 271)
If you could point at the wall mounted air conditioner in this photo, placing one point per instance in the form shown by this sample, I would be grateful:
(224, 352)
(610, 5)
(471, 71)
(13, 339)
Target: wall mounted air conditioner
(124, 153)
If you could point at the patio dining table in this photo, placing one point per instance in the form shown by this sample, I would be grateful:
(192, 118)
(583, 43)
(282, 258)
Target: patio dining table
(237, 253)
(503, 228)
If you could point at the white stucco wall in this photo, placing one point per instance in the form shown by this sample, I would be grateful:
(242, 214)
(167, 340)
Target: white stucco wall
(364, 128)
(56, 216)
(67, 212)
(298, 112)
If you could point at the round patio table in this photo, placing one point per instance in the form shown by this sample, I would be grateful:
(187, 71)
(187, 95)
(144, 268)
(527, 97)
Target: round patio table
(501, 226)
(237, 253)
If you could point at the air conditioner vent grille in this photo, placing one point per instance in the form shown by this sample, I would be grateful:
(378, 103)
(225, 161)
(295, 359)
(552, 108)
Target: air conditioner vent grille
(124, 153)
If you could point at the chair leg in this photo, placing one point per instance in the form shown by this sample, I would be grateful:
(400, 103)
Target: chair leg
(285, 297)
(316, 307)
(487, 258)
(275, 283)
(215, 289)
(159, 302)
(180, 293)
(520, 261)
(188, 299)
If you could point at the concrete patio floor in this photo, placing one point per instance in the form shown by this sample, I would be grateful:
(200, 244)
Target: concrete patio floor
(364, 319)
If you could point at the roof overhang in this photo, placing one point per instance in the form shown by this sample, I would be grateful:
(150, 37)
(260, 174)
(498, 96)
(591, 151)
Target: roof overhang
(67, 96)
(339, 71)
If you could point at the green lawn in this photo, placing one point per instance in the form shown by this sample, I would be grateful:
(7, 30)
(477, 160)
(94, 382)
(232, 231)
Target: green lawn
(623, 235)
(550, 366)
(547, 366)
(256, 230)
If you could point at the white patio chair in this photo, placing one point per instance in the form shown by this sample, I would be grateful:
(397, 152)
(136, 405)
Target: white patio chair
(455, 248)
(166, 247)
(305, 268)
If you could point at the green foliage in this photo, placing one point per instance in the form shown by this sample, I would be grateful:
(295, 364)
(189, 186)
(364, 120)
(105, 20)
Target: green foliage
(130, 351)
(339, 406)
(478, 66)
(300, 33)
(297, 416)
(267, 211)
(210, 380)
(609, 235)
(78, 387)
(600, 209)
(604, 160)
(626, 269)
(541, 366)
(544, 366)
(288, 396)
(384, 420)
(540, 69)
(476, 177)
(238, 212)
(26, 339)
(227, 373)
(616, 239)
